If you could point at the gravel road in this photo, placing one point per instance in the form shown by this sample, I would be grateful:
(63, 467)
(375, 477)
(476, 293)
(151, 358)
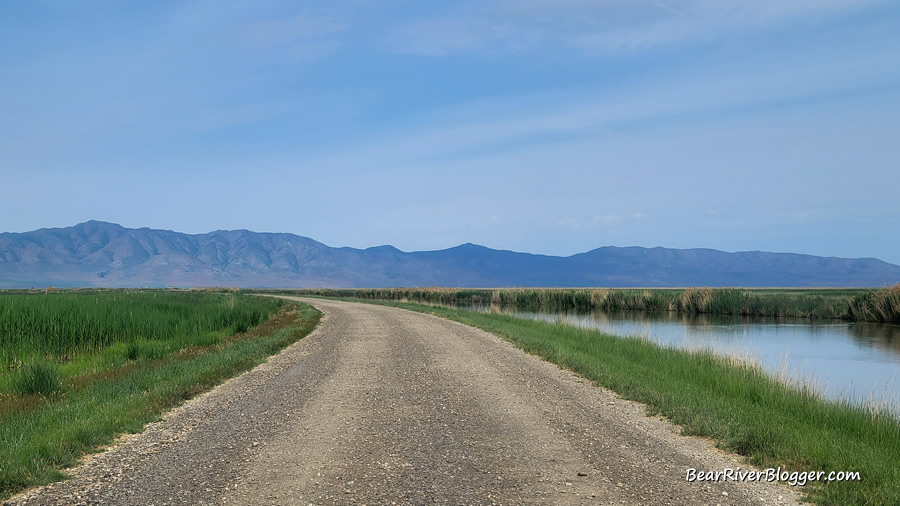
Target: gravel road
(385, 406)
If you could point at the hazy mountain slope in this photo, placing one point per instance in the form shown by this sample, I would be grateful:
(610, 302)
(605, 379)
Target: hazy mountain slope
(105, 254)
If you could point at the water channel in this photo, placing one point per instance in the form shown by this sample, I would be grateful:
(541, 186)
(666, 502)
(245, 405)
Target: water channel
(842, 360)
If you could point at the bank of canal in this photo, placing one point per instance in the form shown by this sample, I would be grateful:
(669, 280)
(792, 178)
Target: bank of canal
(843, 360)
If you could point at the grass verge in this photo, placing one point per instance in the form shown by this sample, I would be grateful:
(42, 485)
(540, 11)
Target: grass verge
(736, 404)
(48, 435)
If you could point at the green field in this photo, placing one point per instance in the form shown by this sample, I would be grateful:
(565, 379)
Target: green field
(61, 326)
(732, 402)
(842, 303)
(81, 368)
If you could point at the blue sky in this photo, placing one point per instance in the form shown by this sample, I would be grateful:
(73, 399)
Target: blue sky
(547, 126)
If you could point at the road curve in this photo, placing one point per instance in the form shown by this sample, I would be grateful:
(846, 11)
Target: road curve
(386, 406)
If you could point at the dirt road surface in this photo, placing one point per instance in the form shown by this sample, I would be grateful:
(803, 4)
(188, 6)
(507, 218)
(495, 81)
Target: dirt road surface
(385, 406)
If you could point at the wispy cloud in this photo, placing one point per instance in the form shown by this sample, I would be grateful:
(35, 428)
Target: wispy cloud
(607, 219)
(288, 31)
(588, 222)
(608, 25)
(242, 114)
(302, 37)
(801, 216)
(543, 125)
(718, 93)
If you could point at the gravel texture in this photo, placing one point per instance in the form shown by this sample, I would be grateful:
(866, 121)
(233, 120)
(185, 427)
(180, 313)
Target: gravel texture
(385, 406)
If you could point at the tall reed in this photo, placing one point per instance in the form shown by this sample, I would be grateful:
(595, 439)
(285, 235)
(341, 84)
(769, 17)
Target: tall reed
(857, 304)
(881, 306)
(57, 325)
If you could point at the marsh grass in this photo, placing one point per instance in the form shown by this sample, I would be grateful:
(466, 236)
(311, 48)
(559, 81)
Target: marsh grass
(41, 437)
(848, 304)
(61, 326)
(879, 306)
(70, 360)
(147, 350)
(38, 377)
(732, 401)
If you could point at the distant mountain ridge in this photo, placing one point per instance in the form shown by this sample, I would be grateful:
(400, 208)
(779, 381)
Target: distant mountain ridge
(97, 253)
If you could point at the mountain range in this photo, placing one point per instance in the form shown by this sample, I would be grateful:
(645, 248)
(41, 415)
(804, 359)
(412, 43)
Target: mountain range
(97, 253)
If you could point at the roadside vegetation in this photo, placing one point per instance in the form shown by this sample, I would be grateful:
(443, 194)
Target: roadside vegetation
(81, 368)
(732, 402)
(61, 326)
(848, 304)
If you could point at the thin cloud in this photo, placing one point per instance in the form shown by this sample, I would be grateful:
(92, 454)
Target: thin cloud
(302, 38)
(801, 216)
(243, 114)
(502, 129)
(608, 219)
(608, 25)
(301, 28)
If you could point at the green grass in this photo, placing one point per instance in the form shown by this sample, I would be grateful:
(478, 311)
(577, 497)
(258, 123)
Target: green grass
(60, 326)
(848, 304)
(881, 306)
(122, 387)
(37, 378)
(736, 404)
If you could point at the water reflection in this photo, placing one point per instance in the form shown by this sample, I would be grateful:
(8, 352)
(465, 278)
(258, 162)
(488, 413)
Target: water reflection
(883, 337)
(843, 360)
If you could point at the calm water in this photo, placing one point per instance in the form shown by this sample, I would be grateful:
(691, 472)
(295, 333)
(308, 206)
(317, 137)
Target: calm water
(859, 361)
